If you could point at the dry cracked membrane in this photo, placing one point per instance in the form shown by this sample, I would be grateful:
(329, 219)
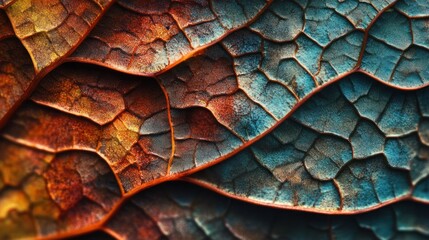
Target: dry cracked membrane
(287, 119)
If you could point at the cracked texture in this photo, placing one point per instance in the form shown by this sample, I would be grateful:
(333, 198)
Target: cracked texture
(224, 74)
(354, 146)
(258, 80)
(251, 81)
(42, 193)
(49, 31)
(145, 38)
(16, 70)
(125, 120)
(52, 29)
(64, 115)
(179, 211)
(398, 46)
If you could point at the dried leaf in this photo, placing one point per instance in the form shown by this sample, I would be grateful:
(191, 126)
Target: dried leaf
(122, 119)
(250, 82)
(16, 70)
(42, 193)
(354, 146)
(398, 46)
(51, 30)
(146, 38)
(225, 74)
(177, 211)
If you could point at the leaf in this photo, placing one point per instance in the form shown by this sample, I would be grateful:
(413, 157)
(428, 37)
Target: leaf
(146, 38)
(355, 146)
(125, 120)
(250, 82)
(180, 211)
(246, 95)
(265, 76)
(224, 75)
(42, 193)
(398, 46)
(120, 118)
(51, 30)
(16, 70)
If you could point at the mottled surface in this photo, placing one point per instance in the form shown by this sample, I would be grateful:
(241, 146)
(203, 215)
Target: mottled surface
(145, 38)
(16, 71)
(398, 45)
(50, 30)
(234, 81)
(123, 119)
(355, 145)
(250, 82)
(320, 41)
(42, 193)
(64, 115)
(180, 211)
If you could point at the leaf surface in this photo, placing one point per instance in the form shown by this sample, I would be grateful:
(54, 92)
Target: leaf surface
(176, 211)
(16, 70)
(398, 46)
(207, 108)
(125, 120)
(352, 147)
(50, 30)
(146, 38)
(215, 79)
(118, 117)
(42, 193)
(251, 82)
